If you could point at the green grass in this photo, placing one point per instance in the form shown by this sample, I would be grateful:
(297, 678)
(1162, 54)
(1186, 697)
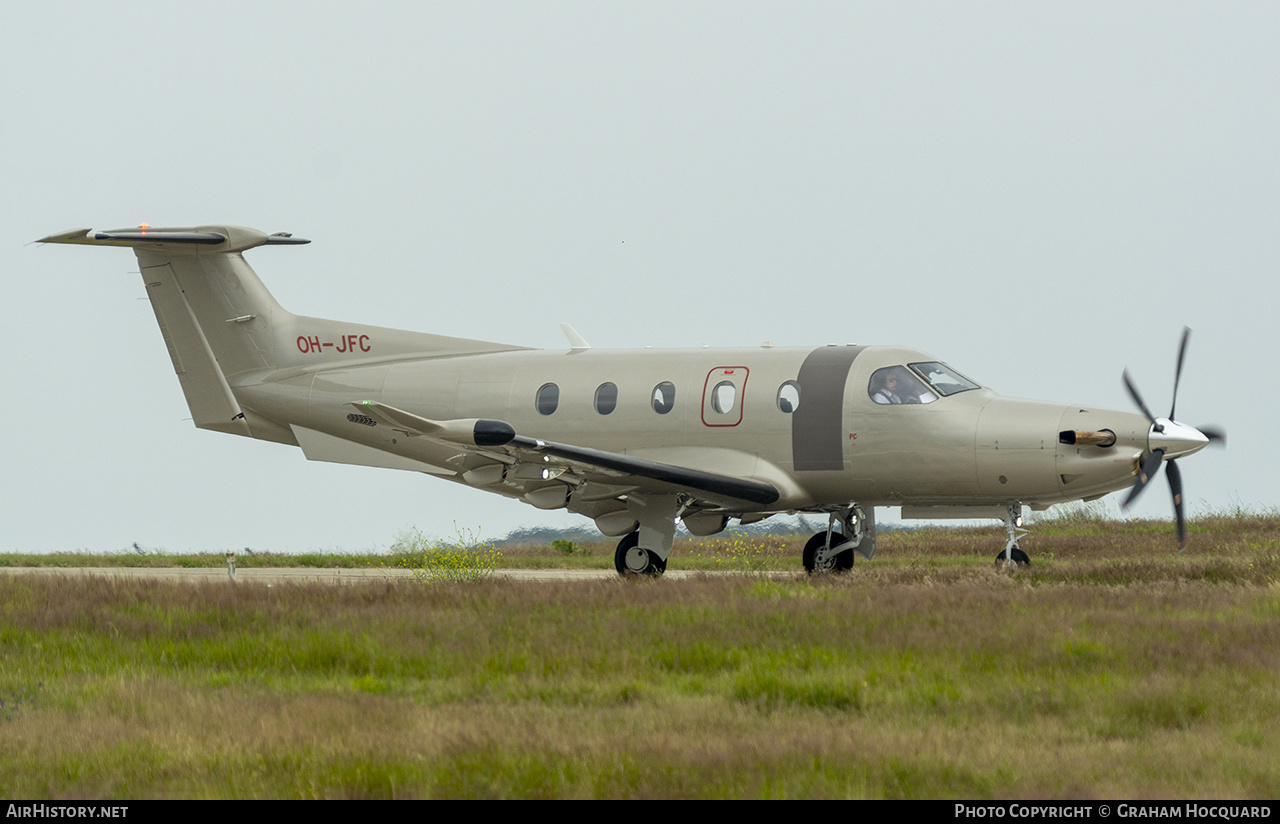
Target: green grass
(1065, 533)
(1113, 667)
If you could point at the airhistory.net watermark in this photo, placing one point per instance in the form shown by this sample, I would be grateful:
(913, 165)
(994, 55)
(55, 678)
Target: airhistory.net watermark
(65, 811)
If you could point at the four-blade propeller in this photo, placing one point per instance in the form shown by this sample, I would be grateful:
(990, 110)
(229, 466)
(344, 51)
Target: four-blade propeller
(1168, 437)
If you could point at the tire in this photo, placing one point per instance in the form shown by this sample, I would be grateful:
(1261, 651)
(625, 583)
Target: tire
(1018, 556)
(841, 563)
(631, 559)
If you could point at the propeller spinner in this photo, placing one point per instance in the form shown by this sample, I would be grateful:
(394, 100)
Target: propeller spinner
(1167, 440)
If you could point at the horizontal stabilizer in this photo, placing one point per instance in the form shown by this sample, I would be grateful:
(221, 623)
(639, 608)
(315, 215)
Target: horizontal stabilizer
(203, 238)
(224, 238)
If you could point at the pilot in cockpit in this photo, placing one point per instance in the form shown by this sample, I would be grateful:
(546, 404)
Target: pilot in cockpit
(888, 388)
(895, 385)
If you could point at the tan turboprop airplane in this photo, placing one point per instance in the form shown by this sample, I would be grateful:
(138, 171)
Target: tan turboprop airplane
(637, 440)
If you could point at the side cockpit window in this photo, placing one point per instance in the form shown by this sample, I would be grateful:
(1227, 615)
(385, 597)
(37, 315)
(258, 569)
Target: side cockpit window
(896, 384)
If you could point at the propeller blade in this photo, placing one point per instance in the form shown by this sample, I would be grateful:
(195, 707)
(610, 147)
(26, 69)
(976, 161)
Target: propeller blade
(1133, 393)
(1177, 374)
(1214, 434)
(1174, 475)
(1180, 438)
(1149, 468)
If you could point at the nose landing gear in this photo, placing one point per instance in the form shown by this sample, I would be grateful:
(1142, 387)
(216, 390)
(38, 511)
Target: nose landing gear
(1012, 555)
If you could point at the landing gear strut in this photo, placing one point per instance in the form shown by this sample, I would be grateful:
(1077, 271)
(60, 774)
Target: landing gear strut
(632, 559)
(1012, 555)
(832, 550)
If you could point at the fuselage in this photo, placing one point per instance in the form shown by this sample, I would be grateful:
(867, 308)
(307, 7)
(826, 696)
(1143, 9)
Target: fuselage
(803, 419)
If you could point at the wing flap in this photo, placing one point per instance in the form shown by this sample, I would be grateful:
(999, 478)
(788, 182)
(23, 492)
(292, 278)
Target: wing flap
(532, 460)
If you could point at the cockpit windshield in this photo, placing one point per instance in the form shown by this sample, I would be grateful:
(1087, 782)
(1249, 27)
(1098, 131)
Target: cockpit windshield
(943, 378)
(916, 383)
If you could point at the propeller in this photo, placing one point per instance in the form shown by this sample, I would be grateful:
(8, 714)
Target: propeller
(1167, 437)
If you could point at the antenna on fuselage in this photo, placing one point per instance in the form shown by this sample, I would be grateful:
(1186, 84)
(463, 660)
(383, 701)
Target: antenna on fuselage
(576, 342)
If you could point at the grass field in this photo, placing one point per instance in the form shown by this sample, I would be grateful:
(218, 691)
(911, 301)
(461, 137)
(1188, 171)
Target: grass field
(1113, 667)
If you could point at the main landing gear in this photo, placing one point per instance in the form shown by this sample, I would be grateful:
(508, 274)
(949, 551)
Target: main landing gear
(645, 550)
(632, 559)
(1012, 555)
(832, 550)
(819, 557)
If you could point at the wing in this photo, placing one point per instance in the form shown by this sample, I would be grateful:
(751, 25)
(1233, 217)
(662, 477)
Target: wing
(547, 474)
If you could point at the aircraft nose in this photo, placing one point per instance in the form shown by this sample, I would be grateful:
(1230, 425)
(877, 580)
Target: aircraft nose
(1176, 439)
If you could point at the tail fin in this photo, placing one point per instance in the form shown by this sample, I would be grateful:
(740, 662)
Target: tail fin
(222, 326)
(214, 313)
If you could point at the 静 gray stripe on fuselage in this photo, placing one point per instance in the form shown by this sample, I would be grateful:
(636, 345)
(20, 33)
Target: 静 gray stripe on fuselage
(817, 425)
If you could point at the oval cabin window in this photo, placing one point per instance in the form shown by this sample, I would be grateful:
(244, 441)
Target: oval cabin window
(548, 398)
(664, 397)
(723, 397)
(606, 398)
(789, 397)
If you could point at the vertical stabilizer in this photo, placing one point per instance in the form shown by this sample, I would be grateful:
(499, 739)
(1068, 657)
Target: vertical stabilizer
(215, 315)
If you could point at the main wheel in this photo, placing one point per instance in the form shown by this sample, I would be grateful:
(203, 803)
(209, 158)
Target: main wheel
(632, 559)
(1019, 558)
(840, 563)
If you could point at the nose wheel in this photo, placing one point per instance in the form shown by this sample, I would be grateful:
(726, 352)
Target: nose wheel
(1012, 557)
(632, 559)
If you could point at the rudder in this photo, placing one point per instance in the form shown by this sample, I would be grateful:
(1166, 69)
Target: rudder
(214, 313)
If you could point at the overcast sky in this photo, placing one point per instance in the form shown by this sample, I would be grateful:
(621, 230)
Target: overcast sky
(1040, 194)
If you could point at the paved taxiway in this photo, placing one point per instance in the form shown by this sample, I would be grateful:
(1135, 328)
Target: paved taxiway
(281, 575)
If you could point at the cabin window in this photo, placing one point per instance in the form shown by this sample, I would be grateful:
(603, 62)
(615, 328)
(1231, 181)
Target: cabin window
(723, 397)
(896, 384)
(548, 398)
(606, 398)
(664, 397)
(789, 397)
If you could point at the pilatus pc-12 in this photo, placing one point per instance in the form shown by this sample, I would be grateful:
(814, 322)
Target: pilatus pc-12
(637, 440)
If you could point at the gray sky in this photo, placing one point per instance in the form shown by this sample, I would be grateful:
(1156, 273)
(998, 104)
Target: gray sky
(1039, 194)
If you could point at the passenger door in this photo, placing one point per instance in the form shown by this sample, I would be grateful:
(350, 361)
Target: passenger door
(722, 395)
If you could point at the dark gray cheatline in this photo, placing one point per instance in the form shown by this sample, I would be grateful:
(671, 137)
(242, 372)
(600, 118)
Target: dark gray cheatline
(817, 427)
